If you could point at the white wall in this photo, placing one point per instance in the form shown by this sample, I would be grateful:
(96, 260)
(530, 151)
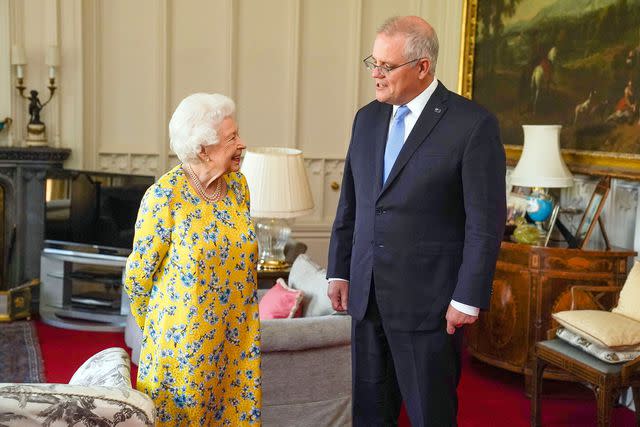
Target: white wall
(293, 66)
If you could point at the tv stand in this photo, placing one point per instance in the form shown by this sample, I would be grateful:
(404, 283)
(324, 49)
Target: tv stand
(101, 306)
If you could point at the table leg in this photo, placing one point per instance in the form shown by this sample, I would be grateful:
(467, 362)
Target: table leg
(536, 391)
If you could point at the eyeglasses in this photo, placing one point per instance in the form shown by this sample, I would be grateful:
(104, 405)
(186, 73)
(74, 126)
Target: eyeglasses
(384, 69)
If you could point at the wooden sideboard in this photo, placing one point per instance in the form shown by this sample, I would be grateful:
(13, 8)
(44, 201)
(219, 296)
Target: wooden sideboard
(530, 283)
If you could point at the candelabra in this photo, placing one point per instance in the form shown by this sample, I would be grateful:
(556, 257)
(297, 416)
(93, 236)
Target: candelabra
(36, 129)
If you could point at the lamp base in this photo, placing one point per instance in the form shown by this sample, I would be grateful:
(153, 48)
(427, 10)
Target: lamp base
(272, 234)
(273, 265)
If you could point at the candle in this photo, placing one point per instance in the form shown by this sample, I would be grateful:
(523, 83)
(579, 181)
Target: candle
(52, 72)
(19, 71)
(17, 55)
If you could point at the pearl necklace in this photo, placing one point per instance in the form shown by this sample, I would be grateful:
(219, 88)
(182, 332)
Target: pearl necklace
(217, 192)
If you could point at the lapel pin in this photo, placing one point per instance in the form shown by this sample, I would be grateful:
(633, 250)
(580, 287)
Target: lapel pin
(438, 110)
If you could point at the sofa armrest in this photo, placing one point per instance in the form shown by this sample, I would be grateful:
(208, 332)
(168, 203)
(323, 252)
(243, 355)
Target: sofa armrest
(108, 368)
(305, 333)
(133, 337)
(64, 404)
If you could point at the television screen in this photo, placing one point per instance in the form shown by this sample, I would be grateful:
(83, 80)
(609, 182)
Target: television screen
(94, 208)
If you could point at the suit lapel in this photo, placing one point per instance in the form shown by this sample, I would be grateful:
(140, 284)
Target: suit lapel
(381, 131)
(431, 115)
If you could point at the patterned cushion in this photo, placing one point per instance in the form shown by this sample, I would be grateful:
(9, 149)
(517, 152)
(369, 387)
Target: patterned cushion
(109, 368)
(601, 327)
(280, 302)
(630, 295)
(605, 354)
(99, 394)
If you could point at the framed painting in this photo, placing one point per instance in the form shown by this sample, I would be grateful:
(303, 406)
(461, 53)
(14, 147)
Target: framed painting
(592, 213)
(570, 62)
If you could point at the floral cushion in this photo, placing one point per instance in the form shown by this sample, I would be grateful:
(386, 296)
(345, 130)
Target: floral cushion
(99, 394)
(109, 368)
(605, 354)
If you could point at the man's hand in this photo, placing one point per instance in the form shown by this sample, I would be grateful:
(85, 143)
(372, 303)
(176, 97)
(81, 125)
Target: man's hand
(456, 319)
(338, 293)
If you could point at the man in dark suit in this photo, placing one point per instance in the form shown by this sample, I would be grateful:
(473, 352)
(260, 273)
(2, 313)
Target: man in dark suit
(417, 231)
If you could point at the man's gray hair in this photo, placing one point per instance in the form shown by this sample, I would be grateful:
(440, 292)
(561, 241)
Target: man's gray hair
(421, 39)
(195, 123)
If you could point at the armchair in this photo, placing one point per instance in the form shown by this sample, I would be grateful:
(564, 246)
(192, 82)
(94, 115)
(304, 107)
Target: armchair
(99, 393)
(594, 344)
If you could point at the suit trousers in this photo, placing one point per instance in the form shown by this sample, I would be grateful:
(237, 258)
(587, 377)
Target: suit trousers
(421, 368)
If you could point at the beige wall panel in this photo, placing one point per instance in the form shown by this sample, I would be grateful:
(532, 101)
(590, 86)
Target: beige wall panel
(325, 110)
(70, 95)
(374, 13)
(35, 72)
(446, 18)
(130, 49)
(264, 70)
(199, 53)
(6, 82)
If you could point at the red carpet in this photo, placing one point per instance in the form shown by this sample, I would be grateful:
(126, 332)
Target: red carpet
(488, 396)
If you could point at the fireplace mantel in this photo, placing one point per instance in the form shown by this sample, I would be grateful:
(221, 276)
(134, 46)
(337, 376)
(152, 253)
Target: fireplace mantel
(22, 178)
(34, 154)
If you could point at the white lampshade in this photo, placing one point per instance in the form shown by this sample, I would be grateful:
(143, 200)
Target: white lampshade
(278, 183)
(541, 163)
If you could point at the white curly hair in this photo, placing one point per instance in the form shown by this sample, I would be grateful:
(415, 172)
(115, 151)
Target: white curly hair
(195, 123)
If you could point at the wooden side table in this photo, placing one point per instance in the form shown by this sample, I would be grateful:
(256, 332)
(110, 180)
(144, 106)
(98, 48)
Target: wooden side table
(530, 283)
(267, 278)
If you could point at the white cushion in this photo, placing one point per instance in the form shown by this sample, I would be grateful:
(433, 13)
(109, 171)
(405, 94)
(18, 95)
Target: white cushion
(311, 279)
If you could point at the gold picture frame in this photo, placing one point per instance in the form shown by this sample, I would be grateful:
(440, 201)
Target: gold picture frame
(625, 165)
(592, 213)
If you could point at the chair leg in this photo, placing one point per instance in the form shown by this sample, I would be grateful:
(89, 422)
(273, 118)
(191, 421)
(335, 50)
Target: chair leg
(536, 391)
(636, 402)
(605, 405)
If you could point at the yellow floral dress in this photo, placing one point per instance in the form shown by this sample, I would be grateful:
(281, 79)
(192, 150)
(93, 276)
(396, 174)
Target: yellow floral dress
(191, 279)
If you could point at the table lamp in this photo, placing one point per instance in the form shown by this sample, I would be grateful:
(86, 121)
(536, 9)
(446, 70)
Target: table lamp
(541, 167)
(279, 191)
(541, 164)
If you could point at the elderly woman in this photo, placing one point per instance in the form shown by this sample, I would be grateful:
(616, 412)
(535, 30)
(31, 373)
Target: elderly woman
(191, 277)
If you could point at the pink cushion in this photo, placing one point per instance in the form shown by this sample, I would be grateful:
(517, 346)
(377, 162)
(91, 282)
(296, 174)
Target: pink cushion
(280, 302)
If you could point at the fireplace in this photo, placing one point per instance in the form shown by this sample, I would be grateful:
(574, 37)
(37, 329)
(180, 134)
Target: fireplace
(22, 184)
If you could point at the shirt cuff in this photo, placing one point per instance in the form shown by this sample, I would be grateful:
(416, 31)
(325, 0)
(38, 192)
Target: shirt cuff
(466, 309)
(337, 278)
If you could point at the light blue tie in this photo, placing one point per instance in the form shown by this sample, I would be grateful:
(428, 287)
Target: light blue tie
(395, 141)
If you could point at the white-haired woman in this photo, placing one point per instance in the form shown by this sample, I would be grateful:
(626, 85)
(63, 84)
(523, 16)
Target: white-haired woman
(191, 277)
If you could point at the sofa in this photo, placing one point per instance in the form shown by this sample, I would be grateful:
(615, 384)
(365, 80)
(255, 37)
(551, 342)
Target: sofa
(98, 394)
(306, 361)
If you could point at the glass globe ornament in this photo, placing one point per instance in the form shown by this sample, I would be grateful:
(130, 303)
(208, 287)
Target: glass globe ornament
(540, 206)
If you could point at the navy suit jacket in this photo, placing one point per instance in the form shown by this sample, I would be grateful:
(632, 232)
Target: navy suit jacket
(432, 232)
